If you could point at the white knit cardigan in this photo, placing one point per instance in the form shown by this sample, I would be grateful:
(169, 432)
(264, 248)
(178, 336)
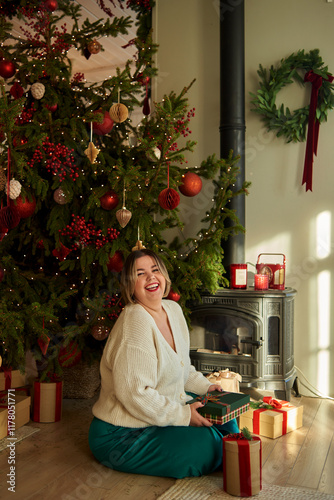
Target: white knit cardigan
(143, 380)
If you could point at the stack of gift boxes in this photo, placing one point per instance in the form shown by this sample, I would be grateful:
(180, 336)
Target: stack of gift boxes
(242, 452)
(16, 404)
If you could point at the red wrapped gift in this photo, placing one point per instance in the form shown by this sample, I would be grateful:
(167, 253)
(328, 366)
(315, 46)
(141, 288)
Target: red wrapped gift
(272, 418)
(10, 379)
(242, 465)
(47, 401)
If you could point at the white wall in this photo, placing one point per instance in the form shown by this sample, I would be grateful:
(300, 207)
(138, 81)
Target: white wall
(281, 217)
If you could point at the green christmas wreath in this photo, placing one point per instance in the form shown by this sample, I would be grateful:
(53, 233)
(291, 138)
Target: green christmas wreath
(292, 124)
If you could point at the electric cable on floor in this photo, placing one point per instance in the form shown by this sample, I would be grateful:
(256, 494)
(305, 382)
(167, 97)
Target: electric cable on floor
(317, 393)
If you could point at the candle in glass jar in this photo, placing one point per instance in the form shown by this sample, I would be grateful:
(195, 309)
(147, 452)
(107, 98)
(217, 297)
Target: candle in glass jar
(238, 275)
(261, 281)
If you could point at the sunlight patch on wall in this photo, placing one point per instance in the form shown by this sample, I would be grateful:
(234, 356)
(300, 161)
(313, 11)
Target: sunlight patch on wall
(323, 235)
(324, 295)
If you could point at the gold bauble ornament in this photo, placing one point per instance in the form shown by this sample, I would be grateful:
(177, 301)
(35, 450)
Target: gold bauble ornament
(91, 152)
(94, 47)
(123, 216)
(139, 246)
(118, 112)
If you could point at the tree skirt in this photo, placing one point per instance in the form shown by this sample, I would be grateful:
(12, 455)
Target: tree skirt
(211, 488)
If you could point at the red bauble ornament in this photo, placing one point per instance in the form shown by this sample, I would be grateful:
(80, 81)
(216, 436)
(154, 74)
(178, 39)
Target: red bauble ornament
(100, 331)
(109, 200)
(191, 184)
(2, 274)
(69, 355)
(25, 208)
(16, 90)
(51, 107)
(173, 296)
(115, 262)
(7, 68)
(51, 5)
(9, 218)
(169, 199)
(105, 127)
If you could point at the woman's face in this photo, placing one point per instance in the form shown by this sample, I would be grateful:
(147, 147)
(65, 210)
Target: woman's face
(150, 284)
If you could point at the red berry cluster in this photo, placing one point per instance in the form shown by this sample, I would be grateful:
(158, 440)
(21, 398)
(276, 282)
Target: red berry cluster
(57, 159)
(140, 3)
(25, 116)
(113, 307)
(181, 126)
(77, 78)
(40, 25)
(85, 233)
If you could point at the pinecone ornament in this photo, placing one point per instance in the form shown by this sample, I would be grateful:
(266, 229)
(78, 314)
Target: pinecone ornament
(37, 90)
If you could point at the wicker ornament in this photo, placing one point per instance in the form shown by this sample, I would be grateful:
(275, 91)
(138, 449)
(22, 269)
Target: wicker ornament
(123, 216)
(2, 180)
(118, 112)
(94, 47)
(14, 189)
(154, 154)
(37, 90)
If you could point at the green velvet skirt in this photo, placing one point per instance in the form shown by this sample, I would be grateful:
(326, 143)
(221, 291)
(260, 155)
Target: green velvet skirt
(171, 451)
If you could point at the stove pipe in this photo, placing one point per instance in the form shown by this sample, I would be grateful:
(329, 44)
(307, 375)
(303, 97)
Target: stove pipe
(232, 111)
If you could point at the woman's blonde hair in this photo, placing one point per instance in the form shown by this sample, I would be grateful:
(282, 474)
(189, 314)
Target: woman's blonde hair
(129, 274)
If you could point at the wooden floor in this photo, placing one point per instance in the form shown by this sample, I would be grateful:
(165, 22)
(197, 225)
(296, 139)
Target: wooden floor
(56, 464)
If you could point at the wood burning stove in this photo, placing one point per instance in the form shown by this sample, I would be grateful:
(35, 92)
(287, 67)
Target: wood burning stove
(249, 332)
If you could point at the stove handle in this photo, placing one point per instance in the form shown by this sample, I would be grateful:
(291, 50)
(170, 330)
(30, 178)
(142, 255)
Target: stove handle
(257, 343)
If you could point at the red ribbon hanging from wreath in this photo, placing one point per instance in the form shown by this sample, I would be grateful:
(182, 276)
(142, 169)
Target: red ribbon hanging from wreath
(313, 127)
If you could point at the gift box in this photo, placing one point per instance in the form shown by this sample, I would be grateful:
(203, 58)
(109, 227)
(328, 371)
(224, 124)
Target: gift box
(10, 379)
(13, 405)
(221, 407)
(272, 418)
(229, 381)
(242, 465)
(47, 401)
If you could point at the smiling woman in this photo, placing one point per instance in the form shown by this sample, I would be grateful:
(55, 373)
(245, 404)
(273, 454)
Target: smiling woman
(142, 423)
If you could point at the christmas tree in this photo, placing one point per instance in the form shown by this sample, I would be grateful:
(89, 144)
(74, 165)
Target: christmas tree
(81, 184)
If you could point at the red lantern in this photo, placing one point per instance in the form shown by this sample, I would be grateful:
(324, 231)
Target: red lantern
(115, 262)
(169, 199)
(16, 90)
(191, 185)
(25, 208)
(7, 68)
(51, 5)
(109, 200)
(173, 296)
(105, 127)
(2, 274)
(69, 355)
(9, 218)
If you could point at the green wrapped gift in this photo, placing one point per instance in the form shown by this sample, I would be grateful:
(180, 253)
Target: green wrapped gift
(220, 407)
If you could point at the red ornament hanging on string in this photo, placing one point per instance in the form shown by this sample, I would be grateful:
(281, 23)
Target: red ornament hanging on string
(2, 274)
(51, 5)
(16, 90)
(146, 107)
(109, 200)
(168, 198)
(7, 68)
(9, 218)
(106, 126)
(191, 184)
(115, 262)
(61, 253)
(25, 208)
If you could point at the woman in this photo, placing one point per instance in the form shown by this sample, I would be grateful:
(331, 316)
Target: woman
(142, 423)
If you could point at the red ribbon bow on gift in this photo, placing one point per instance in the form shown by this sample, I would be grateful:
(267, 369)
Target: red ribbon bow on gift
(313, 126)
(273, 402)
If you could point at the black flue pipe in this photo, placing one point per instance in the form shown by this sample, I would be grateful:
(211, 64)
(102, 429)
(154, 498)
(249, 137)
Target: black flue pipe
(232, 111)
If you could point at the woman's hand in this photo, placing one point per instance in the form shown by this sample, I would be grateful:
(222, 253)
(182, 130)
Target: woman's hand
(196, 419)
(215, 387)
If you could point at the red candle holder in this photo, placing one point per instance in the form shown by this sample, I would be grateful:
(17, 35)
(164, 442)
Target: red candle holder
(261, 281)
(238, 275)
